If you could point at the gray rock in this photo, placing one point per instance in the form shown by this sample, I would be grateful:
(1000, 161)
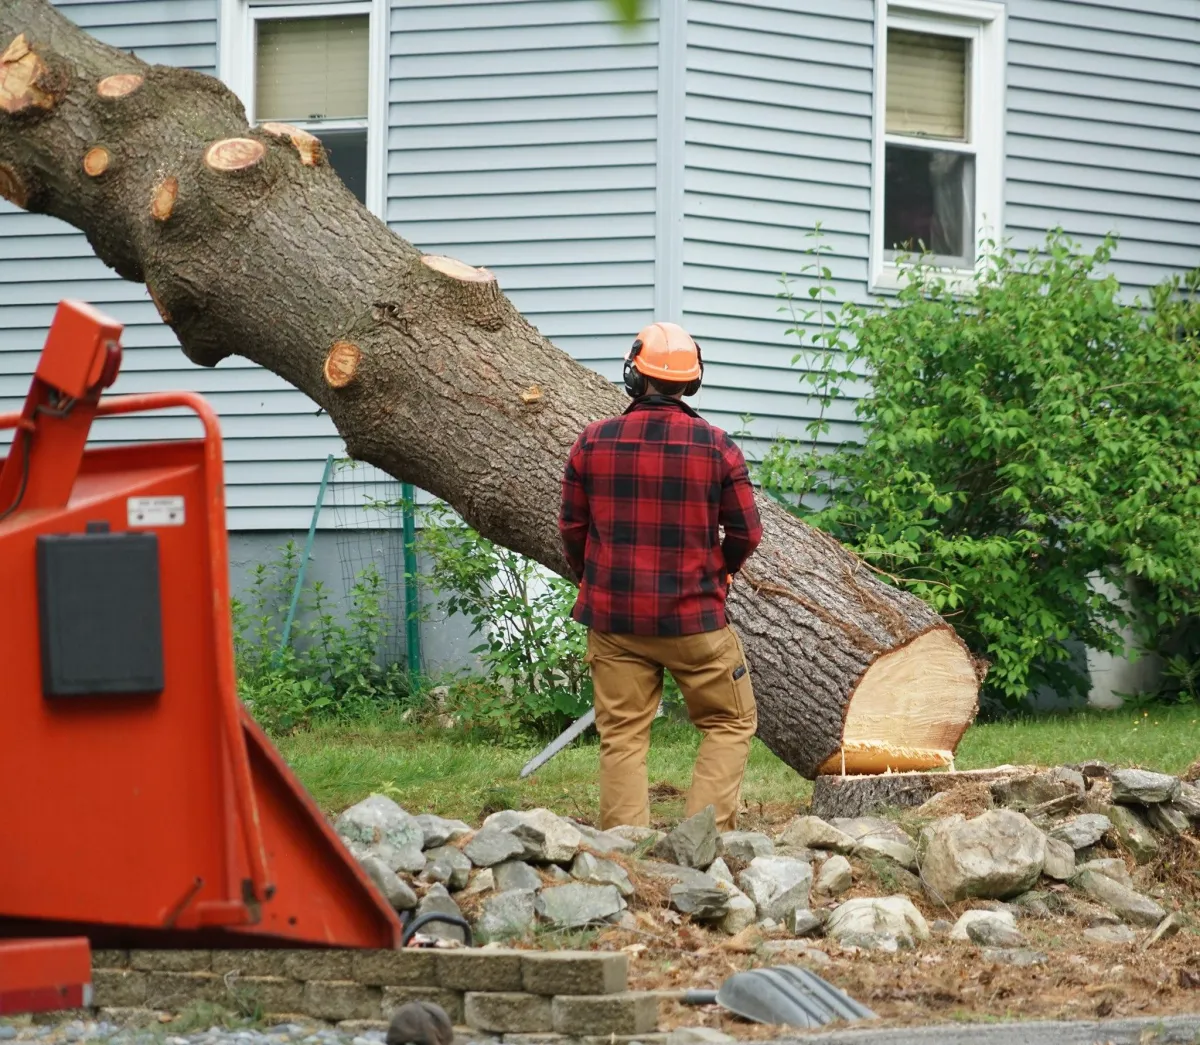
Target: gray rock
(811, 832)
(557, 874)
(1139, 787)
(598, 871)
(768, 877)
(506, 915)
(575, 905)
(1188, 800)
(603, 841)
(835, 877)
(803, 922)
(673, 872)
(1111, 867)
(693, 843)
(1132, 906)
(995, 934)
(901, 853)
(492, 846)
(482, 882)
(941, 927)
(1033, 904)
(447, 865)
(719, 870)
(796, 950)
(1024, 792)
(962, 928)
(798, 852)
(438, 831)
(1021, 957)
(870, 922)
(1060, 860)
(438, 899)
(998, 854)
(1082, 831)
(378, 827)
(700, 902)
(742, 911)
(745, 845)
(637, 835)
(395, 890)
(860, 827)
(1135, 833)
(516, 874)
(546, 836)
(1114, 934)
(787, 902)
(1168, 820)
(1069, 775)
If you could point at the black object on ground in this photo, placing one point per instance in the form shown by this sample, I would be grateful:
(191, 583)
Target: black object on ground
(782, 995)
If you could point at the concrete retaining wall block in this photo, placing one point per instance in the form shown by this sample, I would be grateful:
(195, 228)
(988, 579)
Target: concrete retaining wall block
(171, 961)
(451, 1001)
(118, 988)
(575, 972)
(250, 963)
(631, 1013)
(471, 970)
(341, 1000)
(508, 1011)
(318, 965)
(414, 967)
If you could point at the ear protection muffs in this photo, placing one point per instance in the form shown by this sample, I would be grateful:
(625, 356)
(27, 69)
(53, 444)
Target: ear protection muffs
(693, 387)
(635, 380)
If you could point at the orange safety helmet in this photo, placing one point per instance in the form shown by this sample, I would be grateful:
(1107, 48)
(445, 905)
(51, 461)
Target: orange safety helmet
(666, 352)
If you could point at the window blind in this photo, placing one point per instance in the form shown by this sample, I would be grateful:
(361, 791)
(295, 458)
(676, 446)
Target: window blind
(926, 85)
(312, 68)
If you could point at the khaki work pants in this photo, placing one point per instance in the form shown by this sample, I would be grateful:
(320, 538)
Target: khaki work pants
(627, 676)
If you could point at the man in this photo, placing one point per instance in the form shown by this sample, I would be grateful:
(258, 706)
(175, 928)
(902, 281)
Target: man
(643, 498)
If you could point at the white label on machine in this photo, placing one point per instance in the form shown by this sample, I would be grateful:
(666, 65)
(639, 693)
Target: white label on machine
(155, 511)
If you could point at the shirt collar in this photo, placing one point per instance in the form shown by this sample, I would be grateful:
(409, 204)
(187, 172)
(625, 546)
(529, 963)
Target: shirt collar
(652, 401)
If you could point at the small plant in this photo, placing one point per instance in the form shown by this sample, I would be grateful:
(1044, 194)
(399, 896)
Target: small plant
(330, 668)
(532, 650)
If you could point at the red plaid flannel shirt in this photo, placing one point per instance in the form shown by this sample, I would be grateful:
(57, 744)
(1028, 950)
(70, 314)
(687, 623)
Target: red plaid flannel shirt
(643, 495)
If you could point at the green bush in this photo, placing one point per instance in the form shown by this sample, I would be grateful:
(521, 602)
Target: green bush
(1023, 438)
(330, 668)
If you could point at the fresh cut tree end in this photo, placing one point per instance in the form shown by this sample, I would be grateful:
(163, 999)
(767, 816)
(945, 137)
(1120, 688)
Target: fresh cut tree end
(308, 146)
(12, 186)
(910, 708)
(22, 76)
(455, 269)
(119, 85)
(95, 161)
(233, 154)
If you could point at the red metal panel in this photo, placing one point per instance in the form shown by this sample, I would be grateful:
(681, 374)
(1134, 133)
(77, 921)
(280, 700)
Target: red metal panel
(44, 975)
(155, 813)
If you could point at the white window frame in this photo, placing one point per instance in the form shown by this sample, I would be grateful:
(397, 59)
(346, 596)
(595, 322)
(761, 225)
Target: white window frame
(983, 23)
(236, 65)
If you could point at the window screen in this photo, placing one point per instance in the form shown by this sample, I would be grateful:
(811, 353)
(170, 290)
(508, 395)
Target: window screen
(312, 68)
(926, 85)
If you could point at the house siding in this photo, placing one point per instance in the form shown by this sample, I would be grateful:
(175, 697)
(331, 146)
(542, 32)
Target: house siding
(529, 136)
(274, 442)
(1102, 133)
(522, 137)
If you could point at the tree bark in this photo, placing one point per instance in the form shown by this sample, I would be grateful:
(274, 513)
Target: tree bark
(249, 243)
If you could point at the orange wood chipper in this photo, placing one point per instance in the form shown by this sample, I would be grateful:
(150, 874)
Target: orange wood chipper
(140, 805)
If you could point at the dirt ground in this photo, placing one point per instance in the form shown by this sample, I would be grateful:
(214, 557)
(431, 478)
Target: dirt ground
(942, 980)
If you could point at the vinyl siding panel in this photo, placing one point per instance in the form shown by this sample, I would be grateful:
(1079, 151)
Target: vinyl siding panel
(1103, 130)
(275, 443)
(778, 138)
(522, 137)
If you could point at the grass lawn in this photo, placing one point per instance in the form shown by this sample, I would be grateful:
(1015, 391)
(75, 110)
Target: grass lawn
(437, 771)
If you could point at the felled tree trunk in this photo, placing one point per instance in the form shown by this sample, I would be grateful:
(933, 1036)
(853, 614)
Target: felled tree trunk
(249, 243)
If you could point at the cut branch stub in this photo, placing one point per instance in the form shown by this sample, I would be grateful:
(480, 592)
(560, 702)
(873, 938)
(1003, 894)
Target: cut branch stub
(342, 364)
(163, 201)
(307, 145)
(455, 269)
(21, 72)
(473, 290)
(12, 186)
(95, 161)
(119, 85)
(234, 154)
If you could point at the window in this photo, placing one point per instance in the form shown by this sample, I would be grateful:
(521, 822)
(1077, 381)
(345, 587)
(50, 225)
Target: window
(938, 138)
(321, 67)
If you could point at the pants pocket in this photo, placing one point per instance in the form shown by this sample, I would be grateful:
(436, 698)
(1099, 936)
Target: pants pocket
(737, 673)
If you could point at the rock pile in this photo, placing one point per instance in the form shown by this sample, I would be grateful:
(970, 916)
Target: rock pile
(1051, 843)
